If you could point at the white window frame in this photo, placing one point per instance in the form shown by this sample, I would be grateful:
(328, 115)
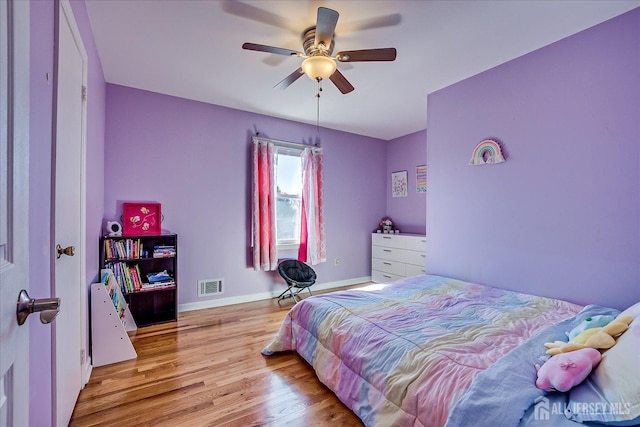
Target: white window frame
(295, 150)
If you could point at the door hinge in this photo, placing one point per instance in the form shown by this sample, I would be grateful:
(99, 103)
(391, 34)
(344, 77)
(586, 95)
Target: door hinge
(82, 356)
(84, 93)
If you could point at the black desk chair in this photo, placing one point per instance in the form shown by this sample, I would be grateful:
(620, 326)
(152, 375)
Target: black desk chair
(298, 276)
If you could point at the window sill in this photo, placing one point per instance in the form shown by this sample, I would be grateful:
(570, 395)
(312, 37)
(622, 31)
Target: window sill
(288, 247)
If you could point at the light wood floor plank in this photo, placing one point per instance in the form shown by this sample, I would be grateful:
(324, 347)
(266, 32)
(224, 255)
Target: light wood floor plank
(206, 370)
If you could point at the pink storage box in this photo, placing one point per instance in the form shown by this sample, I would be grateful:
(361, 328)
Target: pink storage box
(141, 218)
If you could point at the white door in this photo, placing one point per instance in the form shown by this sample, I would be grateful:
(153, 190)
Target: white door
(69, 327)
(14, 210)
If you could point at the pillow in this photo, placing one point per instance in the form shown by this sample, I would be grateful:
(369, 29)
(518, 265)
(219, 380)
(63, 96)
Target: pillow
(611, 394)
(633, 311)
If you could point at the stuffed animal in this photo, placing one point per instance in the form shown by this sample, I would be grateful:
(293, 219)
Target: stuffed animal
(601, 337)
(566, 370)
(590, 322)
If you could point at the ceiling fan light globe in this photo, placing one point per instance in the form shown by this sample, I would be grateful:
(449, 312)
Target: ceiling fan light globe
(319, 67)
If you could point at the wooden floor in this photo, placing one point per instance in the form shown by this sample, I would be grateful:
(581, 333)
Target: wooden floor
(206, 370)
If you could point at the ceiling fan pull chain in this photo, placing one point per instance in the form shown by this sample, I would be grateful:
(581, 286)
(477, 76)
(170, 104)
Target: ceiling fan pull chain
(318, 106)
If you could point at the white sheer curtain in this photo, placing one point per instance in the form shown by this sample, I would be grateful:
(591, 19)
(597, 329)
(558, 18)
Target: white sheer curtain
(312, 237)
(263, 217)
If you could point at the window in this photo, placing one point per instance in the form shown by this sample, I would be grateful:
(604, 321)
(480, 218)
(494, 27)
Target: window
(288, 200)
(285, 214)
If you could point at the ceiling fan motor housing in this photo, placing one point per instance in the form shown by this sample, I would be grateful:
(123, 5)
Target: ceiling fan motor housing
(309, 46)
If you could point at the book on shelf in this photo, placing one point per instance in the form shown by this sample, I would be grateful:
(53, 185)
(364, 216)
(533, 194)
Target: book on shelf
(110, 283)
(128, 276)
(157, 285)
(124, 249)
(134, 273)
(163, 251)
(160, 279)
(160, 276)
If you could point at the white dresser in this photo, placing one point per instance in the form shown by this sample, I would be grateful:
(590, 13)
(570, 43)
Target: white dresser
(394, 256)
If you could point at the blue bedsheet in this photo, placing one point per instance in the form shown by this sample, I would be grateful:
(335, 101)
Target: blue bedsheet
(503, 393)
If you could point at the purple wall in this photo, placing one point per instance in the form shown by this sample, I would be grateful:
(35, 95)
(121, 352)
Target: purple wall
(194, 159)
(42, 18)
(405, 153)
(562, 216)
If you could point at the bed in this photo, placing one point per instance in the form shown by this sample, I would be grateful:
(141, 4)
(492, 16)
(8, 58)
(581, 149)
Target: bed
(435, 351)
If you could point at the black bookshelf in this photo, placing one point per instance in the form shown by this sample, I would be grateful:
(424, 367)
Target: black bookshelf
(132, 259)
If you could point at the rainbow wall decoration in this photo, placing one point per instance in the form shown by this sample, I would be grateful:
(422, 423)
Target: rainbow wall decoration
(486, 153)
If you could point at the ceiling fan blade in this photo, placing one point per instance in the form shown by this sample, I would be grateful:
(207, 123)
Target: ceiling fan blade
(371, 23)
(290, 79)
(271, 49)
(325, 25)
(247, 11)
(386, 54)
(341, 82)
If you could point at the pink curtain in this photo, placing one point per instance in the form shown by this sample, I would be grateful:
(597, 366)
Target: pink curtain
(263, 218)
(312, 241)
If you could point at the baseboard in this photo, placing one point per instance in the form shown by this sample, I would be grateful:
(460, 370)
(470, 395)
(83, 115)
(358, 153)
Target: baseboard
(265, 295)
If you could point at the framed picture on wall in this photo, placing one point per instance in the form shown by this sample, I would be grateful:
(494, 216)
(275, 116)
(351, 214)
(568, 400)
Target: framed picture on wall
(399, 184)
(421, 179)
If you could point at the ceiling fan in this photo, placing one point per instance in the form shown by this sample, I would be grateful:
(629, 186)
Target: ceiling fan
(318, 43)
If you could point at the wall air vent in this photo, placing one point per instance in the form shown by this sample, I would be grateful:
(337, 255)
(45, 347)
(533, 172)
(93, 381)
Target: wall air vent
(209, 287)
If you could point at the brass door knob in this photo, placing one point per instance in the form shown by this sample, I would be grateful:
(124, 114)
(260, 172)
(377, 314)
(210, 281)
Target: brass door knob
(69, 250)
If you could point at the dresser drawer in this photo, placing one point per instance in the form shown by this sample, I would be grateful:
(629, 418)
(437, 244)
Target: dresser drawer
(392, 254)
(388, 240)
(415, 258)
(393, 267)
(416, 243)
(415, 270)
(382, 277)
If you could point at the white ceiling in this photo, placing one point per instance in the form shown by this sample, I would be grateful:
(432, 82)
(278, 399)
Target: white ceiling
(192, 49)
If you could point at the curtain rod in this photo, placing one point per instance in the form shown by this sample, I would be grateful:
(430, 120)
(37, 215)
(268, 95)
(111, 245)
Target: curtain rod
(284, 143)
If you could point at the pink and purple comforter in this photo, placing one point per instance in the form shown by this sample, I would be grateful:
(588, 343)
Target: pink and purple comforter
(403, 355)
